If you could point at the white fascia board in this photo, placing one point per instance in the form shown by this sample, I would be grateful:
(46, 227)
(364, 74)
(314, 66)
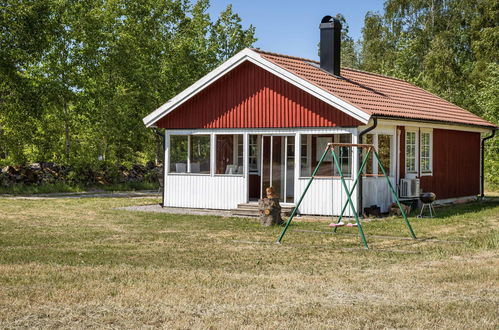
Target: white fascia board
(252, 56)
(426, 124)
(195, 88)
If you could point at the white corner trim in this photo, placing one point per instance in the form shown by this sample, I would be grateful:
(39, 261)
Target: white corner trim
(254, 57)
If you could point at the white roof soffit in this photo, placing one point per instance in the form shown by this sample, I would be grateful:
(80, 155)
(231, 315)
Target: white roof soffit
(252, 56)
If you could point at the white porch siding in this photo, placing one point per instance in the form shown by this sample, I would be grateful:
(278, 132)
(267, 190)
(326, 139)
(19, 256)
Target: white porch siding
(375, 191)
(204, 191)
(324, 197)
(225, 192)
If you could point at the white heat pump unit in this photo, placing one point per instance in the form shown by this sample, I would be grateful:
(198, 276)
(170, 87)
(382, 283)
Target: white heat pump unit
(409, 187)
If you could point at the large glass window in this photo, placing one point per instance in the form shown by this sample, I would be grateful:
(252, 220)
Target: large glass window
(229, 157)
(425, 152)
(190, 154)
(179, 145)
(200, 154)
(313, 147)
(410, 152)
(383, 145)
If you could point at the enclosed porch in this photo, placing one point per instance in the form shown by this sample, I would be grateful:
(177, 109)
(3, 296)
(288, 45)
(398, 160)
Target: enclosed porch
(221, 169)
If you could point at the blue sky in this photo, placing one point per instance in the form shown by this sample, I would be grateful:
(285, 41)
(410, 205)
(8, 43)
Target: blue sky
(292, 27)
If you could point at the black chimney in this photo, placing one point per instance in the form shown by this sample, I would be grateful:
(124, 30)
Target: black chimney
(330, 45)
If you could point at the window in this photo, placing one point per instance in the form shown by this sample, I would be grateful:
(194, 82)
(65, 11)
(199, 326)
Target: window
(410, 152)
(345, 155)
(305, 156)
(253, 153)
(178, 153)
(384, 150)
(200, 154)
(229, 154)
(368, 168)
(383, 145)
(190, 154)
(312, 149)
(290, 171)
(425, 157)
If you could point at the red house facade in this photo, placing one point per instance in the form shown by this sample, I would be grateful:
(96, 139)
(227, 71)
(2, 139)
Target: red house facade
(263, 119)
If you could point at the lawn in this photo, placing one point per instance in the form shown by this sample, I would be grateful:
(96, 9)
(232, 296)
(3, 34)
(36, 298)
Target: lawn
(78, 263)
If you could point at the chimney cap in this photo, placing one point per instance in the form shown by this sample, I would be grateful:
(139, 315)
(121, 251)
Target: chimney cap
(330, 22)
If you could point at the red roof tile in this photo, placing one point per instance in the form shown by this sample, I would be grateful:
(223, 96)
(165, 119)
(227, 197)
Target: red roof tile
(376, 94)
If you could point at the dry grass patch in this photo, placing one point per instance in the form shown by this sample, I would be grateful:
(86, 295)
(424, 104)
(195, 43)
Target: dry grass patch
(81, 263)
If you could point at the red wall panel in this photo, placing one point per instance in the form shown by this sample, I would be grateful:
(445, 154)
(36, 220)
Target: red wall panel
(456, 164)
(250, 97)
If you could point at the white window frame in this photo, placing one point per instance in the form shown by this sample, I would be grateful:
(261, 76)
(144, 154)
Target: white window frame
(320, 151)
(416, 141)
(189, 153)
(430, 132)
(255, 156)
(235, 155)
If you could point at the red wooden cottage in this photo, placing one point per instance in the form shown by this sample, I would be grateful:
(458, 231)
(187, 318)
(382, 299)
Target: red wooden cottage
(263, 119)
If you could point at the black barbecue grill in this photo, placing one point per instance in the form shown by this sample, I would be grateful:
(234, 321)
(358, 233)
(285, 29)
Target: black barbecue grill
(427, 199)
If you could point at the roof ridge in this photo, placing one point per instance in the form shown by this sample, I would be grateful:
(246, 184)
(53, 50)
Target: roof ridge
(258, 50)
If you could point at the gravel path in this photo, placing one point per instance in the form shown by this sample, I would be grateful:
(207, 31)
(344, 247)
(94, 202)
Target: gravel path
(176, 210)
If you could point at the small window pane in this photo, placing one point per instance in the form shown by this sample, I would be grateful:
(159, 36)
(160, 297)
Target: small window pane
(368, 168)
(425, 152)
(178, 153)
(304, 157)
(229, 157)
(410, 154)
(384, 150)
(253, 153)
(200, 154)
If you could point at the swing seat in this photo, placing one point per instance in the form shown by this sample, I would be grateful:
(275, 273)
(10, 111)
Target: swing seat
(342, 224)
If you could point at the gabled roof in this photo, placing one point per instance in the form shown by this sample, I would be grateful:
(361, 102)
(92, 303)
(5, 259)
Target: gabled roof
(356, 93)
(252, 56)
(376, 94)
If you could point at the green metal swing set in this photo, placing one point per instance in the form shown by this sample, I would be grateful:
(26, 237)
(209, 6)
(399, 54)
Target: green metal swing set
(330, 148)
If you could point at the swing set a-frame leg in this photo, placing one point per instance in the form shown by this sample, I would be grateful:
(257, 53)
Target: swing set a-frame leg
(349, 193)
(349, 201)
(302, 195)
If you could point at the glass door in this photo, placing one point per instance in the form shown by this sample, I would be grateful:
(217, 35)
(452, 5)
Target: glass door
(278, 168)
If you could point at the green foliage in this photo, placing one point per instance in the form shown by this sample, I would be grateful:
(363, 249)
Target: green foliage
(77, 77)
(448, 47)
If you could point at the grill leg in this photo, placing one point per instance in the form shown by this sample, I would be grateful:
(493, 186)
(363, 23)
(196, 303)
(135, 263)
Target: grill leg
(422, 211)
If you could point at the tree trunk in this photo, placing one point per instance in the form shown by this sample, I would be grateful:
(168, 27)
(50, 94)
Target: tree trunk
(67, 141)
(270, 211)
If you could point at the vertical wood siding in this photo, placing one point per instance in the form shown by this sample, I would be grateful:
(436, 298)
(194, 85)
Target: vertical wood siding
(250, 97)
(456, 164)
(375, 191)
(203, 191)
(324, 197)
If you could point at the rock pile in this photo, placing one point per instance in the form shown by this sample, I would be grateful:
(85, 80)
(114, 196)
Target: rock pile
(49, 172)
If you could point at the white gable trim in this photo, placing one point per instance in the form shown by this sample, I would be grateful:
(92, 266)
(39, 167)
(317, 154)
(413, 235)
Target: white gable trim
(252, 56)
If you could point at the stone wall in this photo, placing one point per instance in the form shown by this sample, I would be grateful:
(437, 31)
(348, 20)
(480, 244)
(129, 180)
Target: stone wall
(50, 173)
